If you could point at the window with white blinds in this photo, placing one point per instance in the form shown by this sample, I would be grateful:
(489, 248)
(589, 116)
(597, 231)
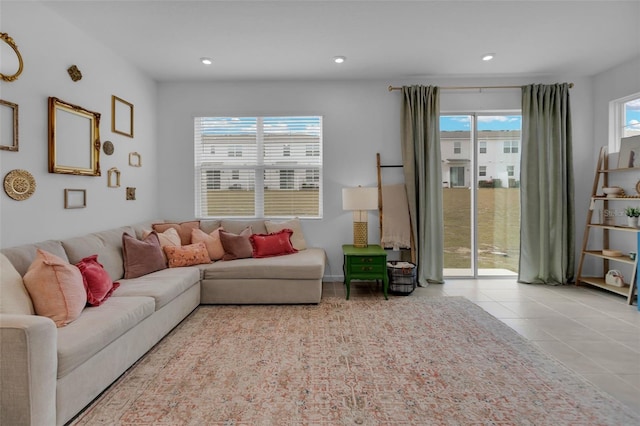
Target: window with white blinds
(258, 167)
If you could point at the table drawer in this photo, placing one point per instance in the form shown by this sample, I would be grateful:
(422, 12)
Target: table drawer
(367, 269)
(367, 260)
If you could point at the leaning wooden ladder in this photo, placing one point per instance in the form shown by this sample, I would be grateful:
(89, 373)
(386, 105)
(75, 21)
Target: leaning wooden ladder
(379, 166)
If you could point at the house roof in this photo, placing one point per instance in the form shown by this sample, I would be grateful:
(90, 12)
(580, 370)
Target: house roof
(296, 40)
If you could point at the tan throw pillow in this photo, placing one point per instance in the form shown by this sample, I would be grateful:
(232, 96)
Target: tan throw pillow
(56, 288)
(14, 298)
(169, 237)
(236, 246)
(183, 228)
(141, 257)
(192, 254)
(297, 239)
(211, 241)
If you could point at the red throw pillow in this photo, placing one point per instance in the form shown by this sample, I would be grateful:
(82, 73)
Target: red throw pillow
(276, 244)
(97, 281)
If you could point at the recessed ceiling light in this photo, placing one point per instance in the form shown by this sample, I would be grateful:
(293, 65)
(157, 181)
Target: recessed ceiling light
(488, 56)
(206, 61)
(339, 59)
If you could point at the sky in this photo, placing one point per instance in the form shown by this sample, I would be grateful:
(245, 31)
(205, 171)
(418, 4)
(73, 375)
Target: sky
(485, 122)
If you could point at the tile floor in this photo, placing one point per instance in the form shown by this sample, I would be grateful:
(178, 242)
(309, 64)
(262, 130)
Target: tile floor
(593, 332)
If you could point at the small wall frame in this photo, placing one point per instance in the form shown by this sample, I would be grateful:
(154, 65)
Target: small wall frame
(113, 178)
(121, 116)
(75, 198)
(8, 125)
(135, 159)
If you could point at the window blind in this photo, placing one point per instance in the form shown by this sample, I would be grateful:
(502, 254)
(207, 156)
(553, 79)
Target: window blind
(258, 166)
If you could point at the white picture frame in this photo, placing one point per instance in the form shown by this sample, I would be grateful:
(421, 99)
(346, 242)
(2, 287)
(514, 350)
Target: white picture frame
(629, 156)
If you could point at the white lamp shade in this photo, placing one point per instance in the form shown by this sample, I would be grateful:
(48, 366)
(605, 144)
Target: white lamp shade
(359, 198)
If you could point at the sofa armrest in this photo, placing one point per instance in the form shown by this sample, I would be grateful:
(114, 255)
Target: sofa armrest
(28, 370)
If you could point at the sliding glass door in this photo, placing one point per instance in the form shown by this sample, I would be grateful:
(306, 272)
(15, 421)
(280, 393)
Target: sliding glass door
(481, 195)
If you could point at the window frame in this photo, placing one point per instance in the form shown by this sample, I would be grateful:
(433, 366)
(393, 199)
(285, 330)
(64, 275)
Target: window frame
(617, 120)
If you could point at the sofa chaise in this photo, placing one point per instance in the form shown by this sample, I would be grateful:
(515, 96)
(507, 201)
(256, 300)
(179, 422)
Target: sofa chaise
(48, 374)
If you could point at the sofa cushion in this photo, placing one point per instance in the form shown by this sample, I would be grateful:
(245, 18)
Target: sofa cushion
(106, 244)
(297, 239)
(236, 246)
(141, 257)
(209, 225)
(189, 255)
(97, 327)
(306, 264)
(22, 257)
(211, 241)
(183, 228)
(14, 298)
(97, 281)
(237, 226)
(163, 286)
(276, 244)
(56, 288)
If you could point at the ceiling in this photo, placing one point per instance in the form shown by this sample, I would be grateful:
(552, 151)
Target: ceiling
(289, 40)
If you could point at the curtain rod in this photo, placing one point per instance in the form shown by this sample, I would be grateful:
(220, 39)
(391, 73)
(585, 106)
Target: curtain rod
(392, 88)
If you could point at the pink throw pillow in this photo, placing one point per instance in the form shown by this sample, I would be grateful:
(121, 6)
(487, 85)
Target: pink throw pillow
(236, 246)
(183, 228)
(276, 244)
(141, 257)
(56, 288)
(97, 281)
(191, 254)
(211, 241)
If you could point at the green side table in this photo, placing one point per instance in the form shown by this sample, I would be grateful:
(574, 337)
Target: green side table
(365, 263)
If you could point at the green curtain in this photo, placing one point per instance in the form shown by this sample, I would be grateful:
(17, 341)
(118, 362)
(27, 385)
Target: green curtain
(547, 224)
(423, 177)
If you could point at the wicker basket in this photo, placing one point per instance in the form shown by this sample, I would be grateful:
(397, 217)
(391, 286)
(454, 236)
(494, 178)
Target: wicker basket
(402, 277)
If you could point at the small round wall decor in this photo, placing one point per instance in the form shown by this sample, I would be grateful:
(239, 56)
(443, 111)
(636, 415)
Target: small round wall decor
(19, 184)
(107, 147)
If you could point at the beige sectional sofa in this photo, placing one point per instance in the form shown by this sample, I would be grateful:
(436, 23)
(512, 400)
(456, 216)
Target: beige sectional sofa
(49, 374)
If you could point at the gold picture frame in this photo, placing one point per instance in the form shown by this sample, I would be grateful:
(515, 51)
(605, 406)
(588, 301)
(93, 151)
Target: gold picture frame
(121, 116)
(5, 37)
(8, 125)
(113, 178)
(74, 139)
(135, 159)
(75, 198)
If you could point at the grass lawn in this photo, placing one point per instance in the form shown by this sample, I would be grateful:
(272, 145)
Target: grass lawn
(498, 228)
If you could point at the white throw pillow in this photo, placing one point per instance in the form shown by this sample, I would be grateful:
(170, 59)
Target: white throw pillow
(297, 238)
(14, 298)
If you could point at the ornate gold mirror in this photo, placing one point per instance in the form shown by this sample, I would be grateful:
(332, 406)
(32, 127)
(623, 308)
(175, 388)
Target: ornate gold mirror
(8, 40)
(74, 139)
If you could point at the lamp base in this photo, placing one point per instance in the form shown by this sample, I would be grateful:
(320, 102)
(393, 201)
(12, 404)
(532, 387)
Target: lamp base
(360, 234)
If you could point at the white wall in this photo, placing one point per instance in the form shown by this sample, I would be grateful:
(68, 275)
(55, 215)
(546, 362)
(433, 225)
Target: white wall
(49, 45)
(360, 119)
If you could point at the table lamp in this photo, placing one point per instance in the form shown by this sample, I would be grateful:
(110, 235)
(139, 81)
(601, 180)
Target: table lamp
(360, 200)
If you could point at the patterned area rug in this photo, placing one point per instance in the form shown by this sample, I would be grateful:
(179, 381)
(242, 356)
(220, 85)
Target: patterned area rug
(405, 361)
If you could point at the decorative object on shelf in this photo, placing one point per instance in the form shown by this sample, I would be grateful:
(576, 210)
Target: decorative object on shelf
(131, 193)
(629, 156)
(632, 255)
(108, 148)
(121, 116)
(75, 198)
(135, 160)
(70, 150)
(19, 184)
(359, 200)
(613, 191)
(633, 213)
(615, 278)
(5, 37)
(9, 126)
(638, 187)
(611, 253)
(113, 178)
(74, 73)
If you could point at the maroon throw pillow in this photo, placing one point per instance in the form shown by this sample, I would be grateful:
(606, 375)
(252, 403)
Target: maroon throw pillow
(236, 246)
(275, 244)
(142, 257)
(97, 281)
